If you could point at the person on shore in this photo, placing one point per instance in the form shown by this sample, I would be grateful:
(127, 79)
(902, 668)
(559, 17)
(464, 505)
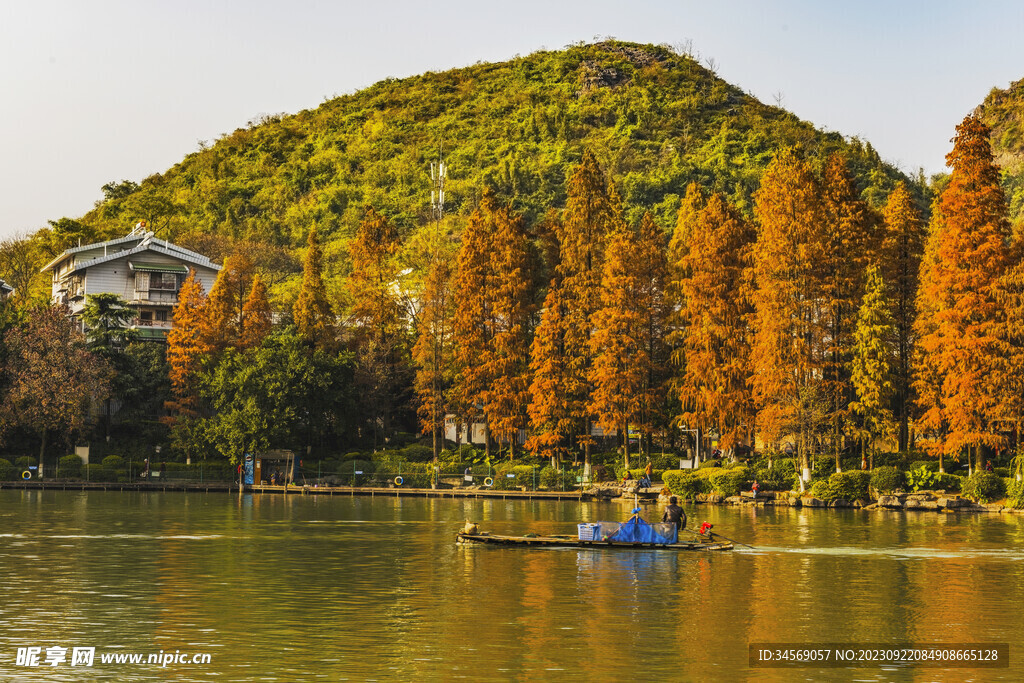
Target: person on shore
(646, 481)
(674, 515)
(145, 469)
(626, 478)
(753, 488)
(988, 465)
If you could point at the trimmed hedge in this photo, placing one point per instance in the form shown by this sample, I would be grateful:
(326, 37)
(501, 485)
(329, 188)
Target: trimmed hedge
(114, 462)
(685, 483)
(728, 482)
(69, 466)
(7, 470)
(850, 485)
(887, 479)
(984, 487)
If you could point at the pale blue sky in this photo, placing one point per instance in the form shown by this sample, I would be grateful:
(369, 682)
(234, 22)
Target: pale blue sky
(107, 90)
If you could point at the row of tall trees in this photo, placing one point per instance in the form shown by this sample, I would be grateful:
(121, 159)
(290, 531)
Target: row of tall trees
(816, 320)
(806, 324)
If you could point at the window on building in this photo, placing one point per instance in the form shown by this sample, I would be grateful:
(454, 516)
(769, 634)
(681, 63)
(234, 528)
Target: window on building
(166, 281)
(161, 316)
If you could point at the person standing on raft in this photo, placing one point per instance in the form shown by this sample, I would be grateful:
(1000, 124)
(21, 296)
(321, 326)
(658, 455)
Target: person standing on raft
(674, 514)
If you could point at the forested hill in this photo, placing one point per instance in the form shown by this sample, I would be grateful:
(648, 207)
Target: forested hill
(656, 120)
(1003, 112)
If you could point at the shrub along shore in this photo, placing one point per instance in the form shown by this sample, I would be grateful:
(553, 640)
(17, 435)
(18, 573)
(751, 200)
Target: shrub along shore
(901, 483)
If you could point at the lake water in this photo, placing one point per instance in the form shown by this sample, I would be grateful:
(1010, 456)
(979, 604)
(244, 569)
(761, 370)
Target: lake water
(277, 588)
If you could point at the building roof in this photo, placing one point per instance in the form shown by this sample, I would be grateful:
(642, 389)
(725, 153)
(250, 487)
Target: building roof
(146, 242)
(5, 288)
(138, 266)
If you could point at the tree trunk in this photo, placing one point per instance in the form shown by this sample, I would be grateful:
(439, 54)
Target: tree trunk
(42, 454)
(625, 446)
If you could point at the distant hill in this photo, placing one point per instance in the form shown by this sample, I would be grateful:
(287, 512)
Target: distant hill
(1003, 112)
(655, 119)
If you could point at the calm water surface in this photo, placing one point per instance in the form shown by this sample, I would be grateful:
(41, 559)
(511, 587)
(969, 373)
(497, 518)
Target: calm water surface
(341, 588)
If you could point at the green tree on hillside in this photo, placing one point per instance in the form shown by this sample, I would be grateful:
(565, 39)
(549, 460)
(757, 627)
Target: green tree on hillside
(871, 369)
(312, 311)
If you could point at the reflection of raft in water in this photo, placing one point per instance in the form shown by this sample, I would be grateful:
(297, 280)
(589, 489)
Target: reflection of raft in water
(632, 534)
(573, 542)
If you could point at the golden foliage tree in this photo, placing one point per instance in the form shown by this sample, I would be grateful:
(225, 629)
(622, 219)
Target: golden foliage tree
(551, 418)
(628, 371)
(434, 350)
(715, 311)
(225, 318)
(474, 317)
(620, 358)
(849, 246)
(960, 315)
(257, 316)
(377, 317)
(187, 346)
(902, 245)
(587, 221)
(512, 307)
(789, 320)
(493, 321)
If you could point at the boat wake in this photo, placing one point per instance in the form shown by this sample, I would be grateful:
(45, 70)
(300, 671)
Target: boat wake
(1004, 555)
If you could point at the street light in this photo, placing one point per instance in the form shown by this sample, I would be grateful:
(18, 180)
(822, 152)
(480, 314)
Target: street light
(696, 444)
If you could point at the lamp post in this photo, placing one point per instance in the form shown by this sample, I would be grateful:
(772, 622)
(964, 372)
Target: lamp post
(696, 445)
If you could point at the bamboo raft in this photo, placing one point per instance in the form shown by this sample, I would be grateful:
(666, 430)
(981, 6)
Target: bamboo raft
(573, 542)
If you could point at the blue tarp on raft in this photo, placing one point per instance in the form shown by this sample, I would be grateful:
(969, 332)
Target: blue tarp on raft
(637, 530)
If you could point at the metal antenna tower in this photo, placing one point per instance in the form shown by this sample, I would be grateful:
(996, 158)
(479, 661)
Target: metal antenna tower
(438, 174)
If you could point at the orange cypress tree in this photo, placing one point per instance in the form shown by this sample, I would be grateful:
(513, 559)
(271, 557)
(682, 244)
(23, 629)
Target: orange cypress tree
(788, 342)
(256, 315)
(901, 250)
(312, 312)
(652, 271)
(551, 418)
(620, 358)
(507, 399)
(474, 317)
(1010, 375)
(587, 221)
(716, 310)
(848, 248)
(960, 312)
(678, 271)
(187, 346)
(433, 351)
(378, 335)
(225, 318)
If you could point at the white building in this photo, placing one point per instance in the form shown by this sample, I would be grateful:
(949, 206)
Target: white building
(144, 271)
